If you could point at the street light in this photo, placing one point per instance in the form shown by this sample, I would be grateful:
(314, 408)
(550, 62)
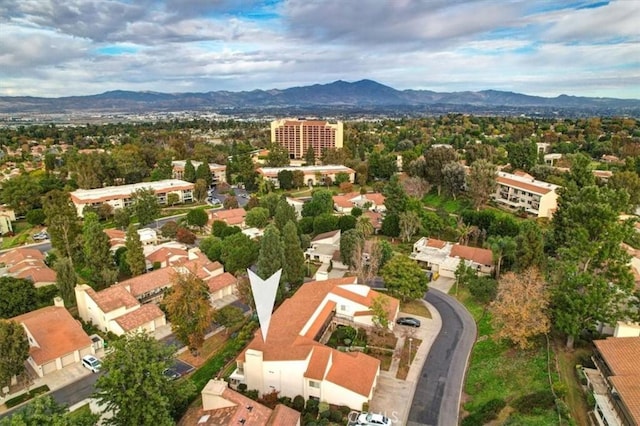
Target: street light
(409, 362)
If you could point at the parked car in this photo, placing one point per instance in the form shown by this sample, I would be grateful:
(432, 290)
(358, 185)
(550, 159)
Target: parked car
(412, 322)
(372, 419)
(40, 236)
(171, 374)
(92, 363)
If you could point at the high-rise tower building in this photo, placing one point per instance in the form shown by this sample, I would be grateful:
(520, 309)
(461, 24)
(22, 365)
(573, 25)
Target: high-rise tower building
(298, 135)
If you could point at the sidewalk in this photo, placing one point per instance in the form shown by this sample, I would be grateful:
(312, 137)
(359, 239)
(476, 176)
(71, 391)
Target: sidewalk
(393, 397)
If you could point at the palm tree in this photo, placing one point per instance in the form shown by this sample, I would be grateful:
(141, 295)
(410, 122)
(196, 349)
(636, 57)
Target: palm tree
(364, 226)
(502, 247)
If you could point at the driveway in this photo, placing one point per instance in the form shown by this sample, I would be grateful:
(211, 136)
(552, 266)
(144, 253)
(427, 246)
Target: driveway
(437, 396)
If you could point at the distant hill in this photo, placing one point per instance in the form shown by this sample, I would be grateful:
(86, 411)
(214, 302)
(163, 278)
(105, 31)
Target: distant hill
(363, 95)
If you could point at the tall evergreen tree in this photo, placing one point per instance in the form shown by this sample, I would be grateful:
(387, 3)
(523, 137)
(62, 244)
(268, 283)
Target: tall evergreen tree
(62, 223)
(14, 350)
(146, 206)
(66, 280)
(284, 214)
(293, 259)
(189, 172)
(271, 256)
(310, 156)
(135, 255)
(395, 198)
(96, 249)
(529, 246)
(204, 172)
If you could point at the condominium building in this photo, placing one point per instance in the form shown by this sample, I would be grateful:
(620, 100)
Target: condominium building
(298, 135)
(123, 196)
(522, 191)
(218, 171)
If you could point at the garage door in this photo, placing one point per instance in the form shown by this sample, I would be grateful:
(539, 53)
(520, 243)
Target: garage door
(49, 367)
(68, 359)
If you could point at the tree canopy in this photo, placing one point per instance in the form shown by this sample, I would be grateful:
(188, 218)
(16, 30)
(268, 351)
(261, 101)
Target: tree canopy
(14, 350)
(17, 296)
(404, 278)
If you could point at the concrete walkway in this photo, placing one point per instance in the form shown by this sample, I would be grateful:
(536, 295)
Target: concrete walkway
(393, 396)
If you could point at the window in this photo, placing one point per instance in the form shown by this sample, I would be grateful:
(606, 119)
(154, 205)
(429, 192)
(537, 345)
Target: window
(343, 307)
(314, 384)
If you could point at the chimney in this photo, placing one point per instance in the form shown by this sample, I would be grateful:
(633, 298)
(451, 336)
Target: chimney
(57, 301)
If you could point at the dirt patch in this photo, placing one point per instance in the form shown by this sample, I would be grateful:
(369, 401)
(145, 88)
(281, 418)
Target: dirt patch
(209, 348)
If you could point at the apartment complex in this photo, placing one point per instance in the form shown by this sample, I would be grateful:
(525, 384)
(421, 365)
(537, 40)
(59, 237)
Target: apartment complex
(218, 171)
(522, 191)
(442, 257)
(123, 196)
(298, 135)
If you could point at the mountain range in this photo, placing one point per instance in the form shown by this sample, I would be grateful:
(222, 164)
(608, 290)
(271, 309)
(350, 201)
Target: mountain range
(342, 96)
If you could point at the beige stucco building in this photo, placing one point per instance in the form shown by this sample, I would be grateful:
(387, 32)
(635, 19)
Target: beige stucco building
(522, 191)
(298, 135)
(313, 175)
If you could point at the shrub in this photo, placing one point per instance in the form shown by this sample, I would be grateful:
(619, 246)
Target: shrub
(26, 396)
(489, 411)
(252, 393)
(345, 410)
(285, 400)
(183, 235)
(169, 229)
(298, 403)
(325, 414)
(242, 387)
(312, 407)
(533, 402)
(335, 416)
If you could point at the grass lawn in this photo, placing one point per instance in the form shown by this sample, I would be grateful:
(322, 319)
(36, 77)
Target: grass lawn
(449, 205)
(209, 348)
(497, 371)
(22, 231)
(415, 307)
(575, 398)
(409, 346)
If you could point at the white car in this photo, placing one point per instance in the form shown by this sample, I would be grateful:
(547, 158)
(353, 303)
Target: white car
(372, 419)
(92, 363)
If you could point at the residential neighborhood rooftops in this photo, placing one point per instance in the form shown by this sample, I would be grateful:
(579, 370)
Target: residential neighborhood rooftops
(220, 281)
(273, 171)
(112, 298)
(525, 182)
(149, 282)
(325, 235)
(476, 254)
(54, 331)
(108, 193)
(142, 315)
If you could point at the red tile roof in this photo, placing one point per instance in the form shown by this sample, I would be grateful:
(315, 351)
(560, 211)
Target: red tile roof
(166, 254)
(318, 363)
(41, 274)
(17, 255)
(150, 281)
(141, 316)
(342, 201)
(284, 416)
(325, 235)
(434, 242)
(376, 197)
(220, 281)
(112, 298)
(478, 255)
(55, 331)
(354, 371)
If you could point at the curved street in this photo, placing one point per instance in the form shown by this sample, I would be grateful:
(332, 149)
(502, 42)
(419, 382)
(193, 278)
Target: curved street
(436, 399)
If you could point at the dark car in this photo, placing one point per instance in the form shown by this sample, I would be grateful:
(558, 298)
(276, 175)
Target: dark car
(171, 374)
(408, 321)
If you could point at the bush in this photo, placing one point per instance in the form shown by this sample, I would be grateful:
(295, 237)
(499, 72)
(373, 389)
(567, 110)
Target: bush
(335, 416)
(169, 229)
(36, 217)
(312, 407)
(488, 412)
(242, 387)
(26, 396)
(183, 235)
(345, 410)
(298, 403)
(285, 400)
(534, 402)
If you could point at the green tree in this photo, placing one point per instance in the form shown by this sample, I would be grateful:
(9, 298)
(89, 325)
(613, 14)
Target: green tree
(17, 296)
(271, 254)
(481, 182)
(62, 223)
(410, 224)
(284, 214)
(396, 199)
(146, 206)
(212, 248)
(66, 280)
(135, 255)
(163, 170)
(278, 156)
(36, 217)
(122, 217)
(364, 226)
(130, 163)
(310, 156)
(285, 179)
(231, 202)
(581, 174)
(189, 172)
(529, 246)
(204, 172)
(14, 350)
(134, 387)
(189, 309)
(97, 250)
(238, 252)
(350, 242)
(502, 248)
(379, 305)
(270, 202)
(197, 217)
(257, 217)
(293, 259)
(522, 155)
(453, 178)
(382, 166)
(435, 159)
(629, 182)
(298, 178)
(386, 252)
(324, 223)
(200, 190)
(44, 410)
(172, 199)
(228, 316)
(321, 202)
(404, 278)
(21, 193)
(391, 225)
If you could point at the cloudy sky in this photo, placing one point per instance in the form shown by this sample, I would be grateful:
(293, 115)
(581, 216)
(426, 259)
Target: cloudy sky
(80, 47)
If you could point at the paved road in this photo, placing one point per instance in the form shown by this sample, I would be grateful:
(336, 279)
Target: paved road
(437, 397)
(76, 391)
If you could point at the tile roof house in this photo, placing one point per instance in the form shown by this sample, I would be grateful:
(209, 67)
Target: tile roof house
(232, 217)
(27, 263)
(616, 383)
(222, 406)
(56, 339)
(131, 305)
(324, 247)
(345, 202)
(293, 362)
(443, 257)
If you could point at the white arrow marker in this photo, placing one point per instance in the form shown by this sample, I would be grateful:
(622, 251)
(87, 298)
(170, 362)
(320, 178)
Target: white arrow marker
(264, 296)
